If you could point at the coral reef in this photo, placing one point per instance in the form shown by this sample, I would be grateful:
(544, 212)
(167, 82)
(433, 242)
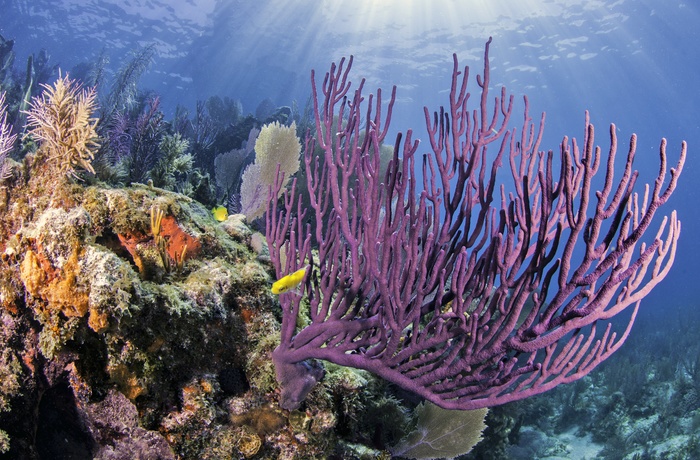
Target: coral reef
(189, 352)
(134, 324)
(124, 339)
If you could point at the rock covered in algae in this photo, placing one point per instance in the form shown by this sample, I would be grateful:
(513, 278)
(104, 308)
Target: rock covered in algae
(134, 325)
(114, 425)
(156, 348)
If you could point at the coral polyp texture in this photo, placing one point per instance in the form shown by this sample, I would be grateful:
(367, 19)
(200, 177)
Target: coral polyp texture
(61, 119)
(437, 277)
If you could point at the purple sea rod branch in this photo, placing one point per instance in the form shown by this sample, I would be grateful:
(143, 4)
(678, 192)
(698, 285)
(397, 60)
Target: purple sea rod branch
(468, 292)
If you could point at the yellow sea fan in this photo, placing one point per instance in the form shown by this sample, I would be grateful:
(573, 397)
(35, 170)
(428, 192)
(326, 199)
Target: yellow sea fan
(60, 118)
(276, 143)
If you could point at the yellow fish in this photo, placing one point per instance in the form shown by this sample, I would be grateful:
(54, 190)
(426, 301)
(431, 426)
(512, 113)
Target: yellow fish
(220, 213)
(288, 282)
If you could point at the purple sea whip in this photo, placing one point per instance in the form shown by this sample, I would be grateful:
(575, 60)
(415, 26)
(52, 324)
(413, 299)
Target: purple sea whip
(431, 283)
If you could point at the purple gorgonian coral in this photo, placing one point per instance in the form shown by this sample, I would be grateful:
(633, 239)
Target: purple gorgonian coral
(438, 277)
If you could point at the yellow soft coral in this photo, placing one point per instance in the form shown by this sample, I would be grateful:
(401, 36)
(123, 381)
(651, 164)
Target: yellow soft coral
(61, 120)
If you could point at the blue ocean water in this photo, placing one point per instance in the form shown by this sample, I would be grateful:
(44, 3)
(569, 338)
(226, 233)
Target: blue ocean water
(634, 63)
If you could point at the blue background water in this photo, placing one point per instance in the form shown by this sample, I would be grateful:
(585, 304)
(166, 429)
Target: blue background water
(631, 62)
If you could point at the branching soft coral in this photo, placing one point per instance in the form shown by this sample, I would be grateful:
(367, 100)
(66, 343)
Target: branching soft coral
(6, 139)
(61, 120)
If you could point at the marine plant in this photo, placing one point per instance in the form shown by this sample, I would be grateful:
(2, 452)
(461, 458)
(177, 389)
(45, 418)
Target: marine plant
(20, 87)
(433, 283)
(40, 70)
(178, 238)
(61, 120)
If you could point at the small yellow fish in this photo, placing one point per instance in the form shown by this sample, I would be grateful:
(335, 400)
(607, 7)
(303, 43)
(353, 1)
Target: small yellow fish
(220, 213)
(288, 282)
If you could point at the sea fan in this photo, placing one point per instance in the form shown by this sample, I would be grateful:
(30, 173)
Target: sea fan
(61, 120)
(276, 145)
(442, 433)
